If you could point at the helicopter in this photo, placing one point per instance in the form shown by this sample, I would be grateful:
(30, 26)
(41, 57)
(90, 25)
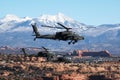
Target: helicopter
(63, 35)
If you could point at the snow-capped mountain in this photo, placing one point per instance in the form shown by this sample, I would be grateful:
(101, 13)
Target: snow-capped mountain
(16, 31)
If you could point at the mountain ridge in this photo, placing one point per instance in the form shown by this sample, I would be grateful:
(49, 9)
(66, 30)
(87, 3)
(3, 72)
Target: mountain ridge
(16, 31)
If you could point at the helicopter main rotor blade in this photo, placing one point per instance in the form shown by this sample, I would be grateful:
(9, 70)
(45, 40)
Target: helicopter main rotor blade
(51, 27)
(64, 26)
(47, 26)
(45, 49)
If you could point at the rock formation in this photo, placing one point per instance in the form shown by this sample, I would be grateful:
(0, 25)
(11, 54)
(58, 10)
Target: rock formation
(82, 53)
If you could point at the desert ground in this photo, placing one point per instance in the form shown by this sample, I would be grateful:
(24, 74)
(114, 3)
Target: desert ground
(37, 68)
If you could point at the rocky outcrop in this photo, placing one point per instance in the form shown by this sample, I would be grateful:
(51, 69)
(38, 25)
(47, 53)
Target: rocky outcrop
(82, 53)
(72, 76)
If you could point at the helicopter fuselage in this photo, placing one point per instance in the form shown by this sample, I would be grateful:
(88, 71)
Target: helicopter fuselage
(63, 35)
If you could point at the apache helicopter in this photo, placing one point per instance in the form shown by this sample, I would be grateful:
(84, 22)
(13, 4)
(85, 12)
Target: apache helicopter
(63, 35)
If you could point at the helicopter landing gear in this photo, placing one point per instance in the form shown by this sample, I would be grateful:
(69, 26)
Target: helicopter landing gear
(34, 38)
(73, 42)
(70, 42)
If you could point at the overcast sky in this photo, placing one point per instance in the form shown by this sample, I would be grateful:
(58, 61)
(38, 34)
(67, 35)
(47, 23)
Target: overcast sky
(90, 12)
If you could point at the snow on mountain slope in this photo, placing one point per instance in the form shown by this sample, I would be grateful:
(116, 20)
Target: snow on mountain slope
(16, 31)
(11, 22)
(9, 17)
(55, 18)
(14, 23)
(101, 29)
